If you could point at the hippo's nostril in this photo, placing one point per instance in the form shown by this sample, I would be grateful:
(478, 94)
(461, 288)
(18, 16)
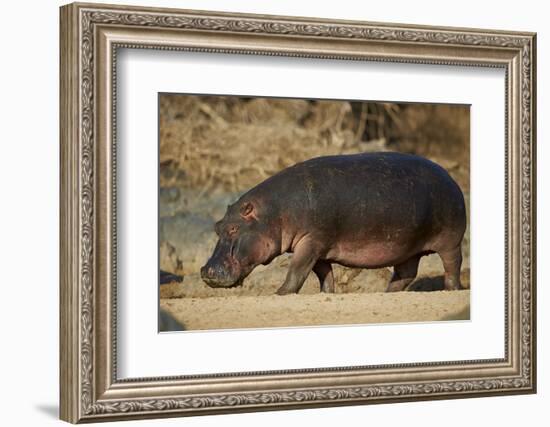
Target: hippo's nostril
(208, 272)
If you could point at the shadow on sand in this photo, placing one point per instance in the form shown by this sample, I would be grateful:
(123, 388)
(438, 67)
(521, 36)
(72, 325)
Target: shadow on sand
(437, 283)
(463, 314)
(427, 284)
(167, 322)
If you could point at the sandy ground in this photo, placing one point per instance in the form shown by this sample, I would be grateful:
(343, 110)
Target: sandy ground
(359, 298)
(317, 309)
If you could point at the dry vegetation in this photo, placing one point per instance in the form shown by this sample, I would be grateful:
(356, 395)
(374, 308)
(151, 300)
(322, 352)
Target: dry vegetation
(229, 144)
(212, 149)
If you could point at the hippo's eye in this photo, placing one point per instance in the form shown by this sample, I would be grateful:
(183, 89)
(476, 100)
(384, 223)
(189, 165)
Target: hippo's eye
(232, 230)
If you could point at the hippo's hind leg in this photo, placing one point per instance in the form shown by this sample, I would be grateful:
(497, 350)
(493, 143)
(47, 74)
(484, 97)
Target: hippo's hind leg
(452, 261)
(323, 270)
(403, 274)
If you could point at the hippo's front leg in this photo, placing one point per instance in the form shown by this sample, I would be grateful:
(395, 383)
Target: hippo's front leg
(304, 258)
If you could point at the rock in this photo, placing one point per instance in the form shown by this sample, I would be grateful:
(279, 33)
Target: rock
(169, 259)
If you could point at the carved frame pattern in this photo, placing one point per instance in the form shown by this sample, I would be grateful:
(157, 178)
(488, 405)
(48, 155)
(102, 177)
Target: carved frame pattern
(80, 401)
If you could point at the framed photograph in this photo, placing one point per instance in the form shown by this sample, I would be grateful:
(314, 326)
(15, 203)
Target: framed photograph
(266, 212)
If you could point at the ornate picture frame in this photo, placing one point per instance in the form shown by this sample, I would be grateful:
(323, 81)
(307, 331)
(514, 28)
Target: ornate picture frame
(90, 37)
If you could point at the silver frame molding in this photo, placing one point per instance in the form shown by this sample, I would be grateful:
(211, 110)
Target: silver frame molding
(90, 37)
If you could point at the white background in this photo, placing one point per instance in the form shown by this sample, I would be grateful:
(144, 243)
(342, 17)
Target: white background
(143, 73)
(29, 171)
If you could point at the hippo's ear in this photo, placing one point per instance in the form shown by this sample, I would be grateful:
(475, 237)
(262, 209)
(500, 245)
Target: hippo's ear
(248, 211)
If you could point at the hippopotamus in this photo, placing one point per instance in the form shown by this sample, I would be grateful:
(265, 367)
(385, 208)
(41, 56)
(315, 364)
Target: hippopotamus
(368, 210)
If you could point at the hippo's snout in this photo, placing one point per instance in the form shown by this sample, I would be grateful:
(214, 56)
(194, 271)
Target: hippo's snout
(208, 274)
(216, 277)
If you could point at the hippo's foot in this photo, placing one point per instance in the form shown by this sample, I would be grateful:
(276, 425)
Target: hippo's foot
(323, 271)
(403, 274)
(398, 285)
(284, 290)
(452, 283)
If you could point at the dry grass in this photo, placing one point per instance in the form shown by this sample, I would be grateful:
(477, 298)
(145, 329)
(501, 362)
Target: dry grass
(227, 144)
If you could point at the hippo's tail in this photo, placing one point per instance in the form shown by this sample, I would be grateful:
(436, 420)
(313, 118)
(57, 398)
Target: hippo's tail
(166, 277)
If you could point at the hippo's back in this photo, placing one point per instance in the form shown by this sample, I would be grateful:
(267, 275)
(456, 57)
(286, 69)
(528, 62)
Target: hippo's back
(370, 197)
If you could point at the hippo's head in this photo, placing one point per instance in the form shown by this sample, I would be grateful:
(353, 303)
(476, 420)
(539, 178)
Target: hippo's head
(244, 242)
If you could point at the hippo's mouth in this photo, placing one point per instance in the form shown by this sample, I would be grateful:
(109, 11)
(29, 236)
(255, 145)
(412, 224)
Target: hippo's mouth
(223, 284)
